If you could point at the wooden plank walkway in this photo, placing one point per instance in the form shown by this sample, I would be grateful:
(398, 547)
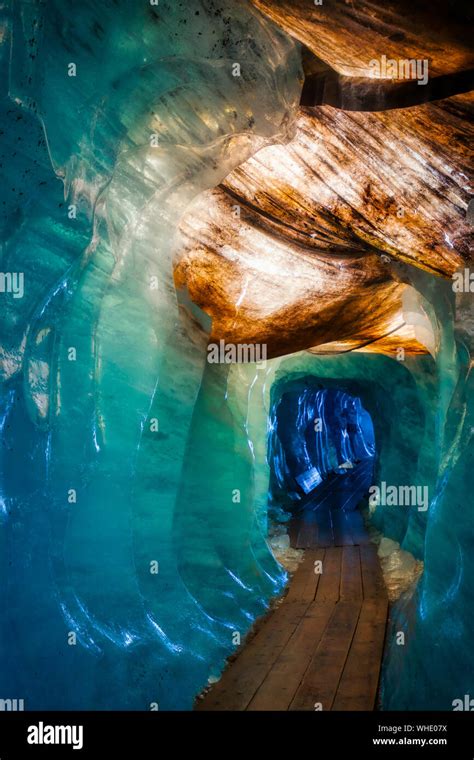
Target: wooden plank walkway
(327, 516)
(322, 647)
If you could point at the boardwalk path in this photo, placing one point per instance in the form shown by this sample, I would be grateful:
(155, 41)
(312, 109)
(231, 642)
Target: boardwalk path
(322, 647)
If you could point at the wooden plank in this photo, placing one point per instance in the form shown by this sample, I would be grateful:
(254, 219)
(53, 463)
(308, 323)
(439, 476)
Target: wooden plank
(325, 531)
(243, 676)
(325, 651)
(342, 533)
(372, 578)
(308, 532)
(351, 578)
(355, 524)
(305, 581)
(281, 683)
(359, 681)
(329, 582)
(321, 680)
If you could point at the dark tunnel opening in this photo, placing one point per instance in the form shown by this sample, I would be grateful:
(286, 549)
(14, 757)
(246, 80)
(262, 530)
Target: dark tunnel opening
(321, 452)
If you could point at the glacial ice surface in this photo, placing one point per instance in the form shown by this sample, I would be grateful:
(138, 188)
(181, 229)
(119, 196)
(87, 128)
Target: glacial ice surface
(117, 446)
(123, 451)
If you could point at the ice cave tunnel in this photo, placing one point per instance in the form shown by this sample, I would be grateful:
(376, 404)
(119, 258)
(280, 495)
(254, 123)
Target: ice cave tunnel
(164, 189)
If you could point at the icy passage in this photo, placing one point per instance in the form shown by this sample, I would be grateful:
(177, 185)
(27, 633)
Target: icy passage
(163, 190)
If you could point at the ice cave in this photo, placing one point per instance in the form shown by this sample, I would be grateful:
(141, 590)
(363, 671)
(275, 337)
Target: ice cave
(179, 177)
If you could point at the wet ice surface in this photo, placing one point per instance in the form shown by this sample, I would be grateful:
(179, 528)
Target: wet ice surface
(133, 501)
(121, 591)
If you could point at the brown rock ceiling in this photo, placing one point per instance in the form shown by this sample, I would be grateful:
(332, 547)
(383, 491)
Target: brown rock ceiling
(348, 34)
(296, 249)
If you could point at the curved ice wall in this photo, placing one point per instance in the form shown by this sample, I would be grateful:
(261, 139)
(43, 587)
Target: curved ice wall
(123, 452)
(131, 549)
(313, 431)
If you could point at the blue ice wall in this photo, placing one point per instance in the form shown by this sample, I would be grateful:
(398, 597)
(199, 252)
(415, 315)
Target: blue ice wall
(313, 431)
(126, 574)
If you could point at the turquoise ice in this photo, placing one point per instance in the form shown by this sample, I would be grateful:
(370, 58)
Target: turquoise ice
(134, 475)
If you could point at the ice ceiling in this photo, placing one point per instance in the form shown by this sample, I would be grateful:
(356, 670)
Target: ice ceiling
(154, 198)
